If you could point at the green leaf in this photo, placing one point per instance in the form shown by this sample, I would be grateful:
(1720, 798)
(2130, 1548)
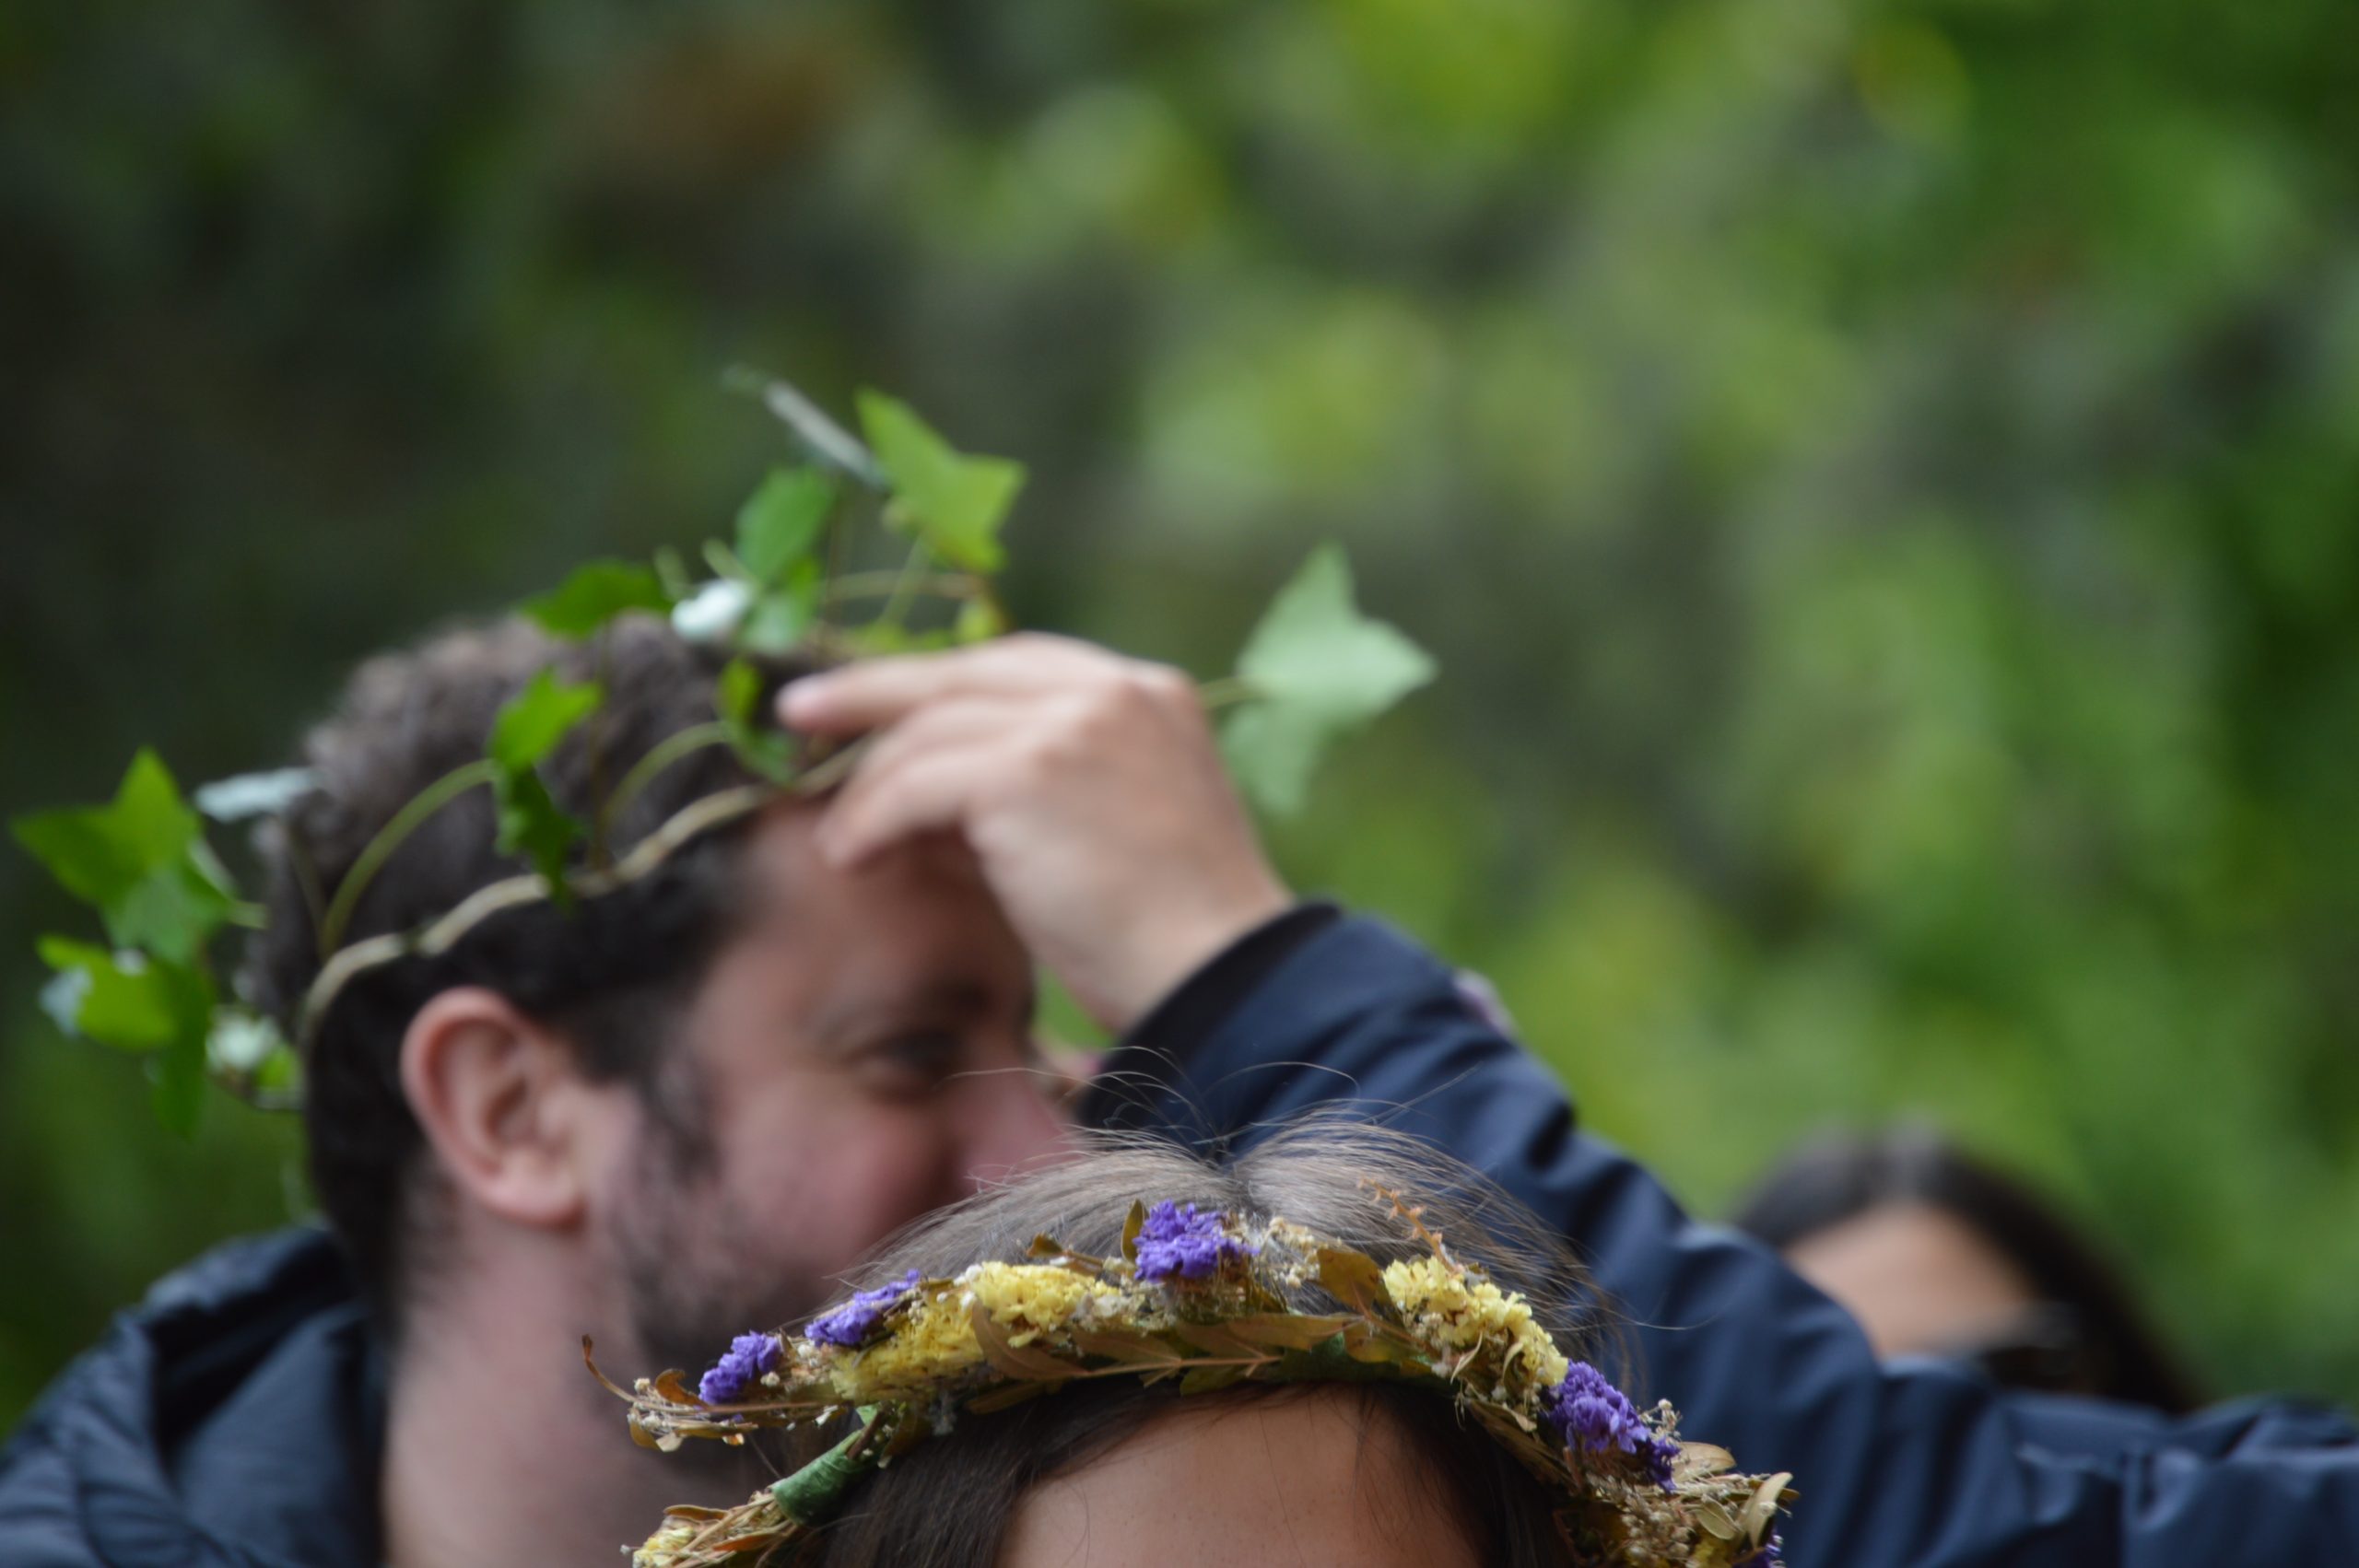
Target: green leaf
(135, 859)
(779, 526)
(780, 616)
(137, 1004)
(537, 718)
(1318, 669)
(955, 503)
(738, 698)
(737, 693)
(979, 621)
(533, 825)
(595, 593)
(178, 1095)
(115, 998)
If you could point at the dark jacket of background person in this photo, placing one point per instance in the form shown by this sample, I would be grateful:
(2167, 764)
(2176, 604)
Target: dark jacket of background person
(232, 1418)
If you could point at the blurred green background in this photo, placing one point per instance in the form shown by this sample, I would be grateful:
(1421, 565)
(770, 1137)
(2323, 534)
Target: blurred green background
(1881, 480)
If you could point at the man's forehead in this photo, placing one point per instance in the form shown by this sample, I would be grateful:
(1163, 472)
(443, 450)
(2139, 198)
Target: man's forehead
(917, 921)
(790, 875)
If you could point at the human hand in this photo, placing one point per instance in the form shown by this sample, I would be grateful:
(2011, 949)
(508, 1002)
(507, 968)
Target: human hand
(1087, 785)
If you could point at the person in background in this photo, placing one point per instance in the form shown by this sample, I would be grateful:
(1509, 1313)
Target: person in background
(1938, 1253)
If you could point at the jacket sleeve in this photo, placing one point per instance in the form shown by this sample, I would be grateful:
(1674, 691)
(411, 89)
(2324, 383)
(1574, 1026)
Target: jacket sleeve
(1911, 1463)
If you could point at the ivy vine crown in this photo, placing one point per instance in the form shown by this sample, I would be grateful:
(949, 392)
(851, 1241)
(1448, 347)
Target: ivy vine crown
(1314, 669)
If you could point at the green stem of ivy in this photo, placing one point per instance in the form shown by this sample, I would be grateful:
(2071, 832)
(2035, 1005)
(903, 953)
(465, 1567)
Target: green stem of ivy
(660, 756)
(601, 725)
(872, 585)
(897, 607)
(378, 850)
(1227, 692)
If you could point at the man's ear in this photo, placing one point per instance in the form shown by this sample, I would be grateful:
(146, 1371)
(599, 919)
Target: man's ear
(497, 1096)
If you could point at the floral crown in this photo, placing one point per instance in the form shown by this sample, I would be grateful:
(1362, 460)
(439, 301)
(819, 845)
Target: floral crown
(788, 580)
(1197, 1296)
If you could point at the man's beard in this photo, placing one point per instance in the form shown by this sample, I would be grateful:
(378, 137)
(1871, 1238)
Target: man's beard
(699, 1269)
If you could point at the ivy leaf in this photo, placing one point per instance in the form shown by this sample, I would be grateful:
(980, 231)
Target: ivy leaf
(979, 621)
(595, 593)
(954, 502)
(781, 615)
(137, 1003)
(779, 526)
(737, 698)
(528, 729)
(822, 437)
(135, 859)
(118, 999)
(537, 719)
(179, 1092)
(532, 825)
(1318, 668)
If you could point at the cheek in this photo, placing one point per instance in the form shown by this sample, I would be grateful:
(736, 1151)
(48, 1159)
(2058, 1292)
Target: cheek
(844, 1181)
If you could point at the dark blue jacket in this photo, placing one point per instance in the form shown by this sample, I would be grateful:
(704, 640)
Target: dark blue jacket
(234, 1418)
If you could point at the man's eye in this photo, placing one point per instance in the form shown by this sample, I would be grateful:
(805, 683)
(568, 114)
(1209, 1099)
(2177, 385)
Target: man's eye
(917, 1061)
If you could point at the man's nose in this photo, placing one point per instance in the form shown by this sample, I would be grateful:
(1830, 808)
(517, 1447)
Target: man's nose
(1019, 1123)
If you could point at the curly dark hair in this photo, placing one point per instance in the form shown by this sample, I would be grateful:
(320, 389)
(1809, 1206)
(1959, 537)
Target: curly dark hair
(609, 974)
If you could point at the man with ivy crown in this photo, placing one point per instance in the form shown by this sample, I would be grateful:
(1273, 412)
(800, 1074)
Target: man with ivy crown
(651, 956)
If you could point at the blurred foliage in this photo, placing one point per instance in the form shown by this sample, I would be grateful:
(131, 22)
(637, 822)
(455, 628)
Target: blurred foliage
(1881, 481)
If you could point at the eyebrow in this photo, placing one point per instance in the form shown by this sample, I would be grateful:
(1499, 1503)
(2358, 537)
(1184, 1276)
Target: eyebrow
(961, 999)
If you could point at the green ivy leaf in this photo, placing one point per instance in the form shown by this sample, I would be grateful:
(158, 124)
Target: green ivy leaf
(135, 1003)
(779, 525)
(782, 616)
(595, 593)
(532, 825)
(537, 719)
(1318, 668)
(954, 502)
(979, 621)
(118, 999)
(737, 693)
(179, 1092)
(137, 859)
(738, 698)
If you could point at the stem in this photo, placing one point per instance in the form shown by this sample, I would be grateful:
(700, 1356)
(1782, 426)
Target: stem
(601, 724)
(1227, 692)
(374, 854)
(897, 608)
(307, 875)
(875, 585)
(660, 756)
(829, 772)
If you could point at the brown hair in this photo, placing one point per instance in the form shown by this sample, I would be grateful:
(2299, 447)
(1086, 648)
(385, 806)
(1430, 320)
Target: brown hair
(949, 1503)
(609, 974)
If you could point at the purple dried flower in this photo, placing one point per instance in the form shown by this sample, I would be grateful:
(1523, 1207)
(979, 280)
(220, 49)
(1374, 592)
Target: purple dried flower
(1182, 1240)
(852, 1324)
(749, 1356)
(1772, 1554)
(1591, 1415)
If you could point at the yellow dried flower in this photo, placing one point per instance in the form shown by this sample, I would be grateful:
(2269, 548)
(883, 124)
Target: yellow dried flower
(1033, 1299)
(1455, 1310)
(934, 1340)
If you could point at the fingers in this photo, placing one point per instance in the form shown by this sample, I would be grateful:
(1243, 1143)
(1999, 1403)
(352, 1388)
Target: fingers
(874, 692)
(930, 791)
(879, 803)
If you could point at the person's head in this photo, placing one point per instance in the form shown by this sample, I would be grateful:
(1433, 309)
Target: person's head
(1121, 1473)
(693, 1099)
(1937, 1253)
